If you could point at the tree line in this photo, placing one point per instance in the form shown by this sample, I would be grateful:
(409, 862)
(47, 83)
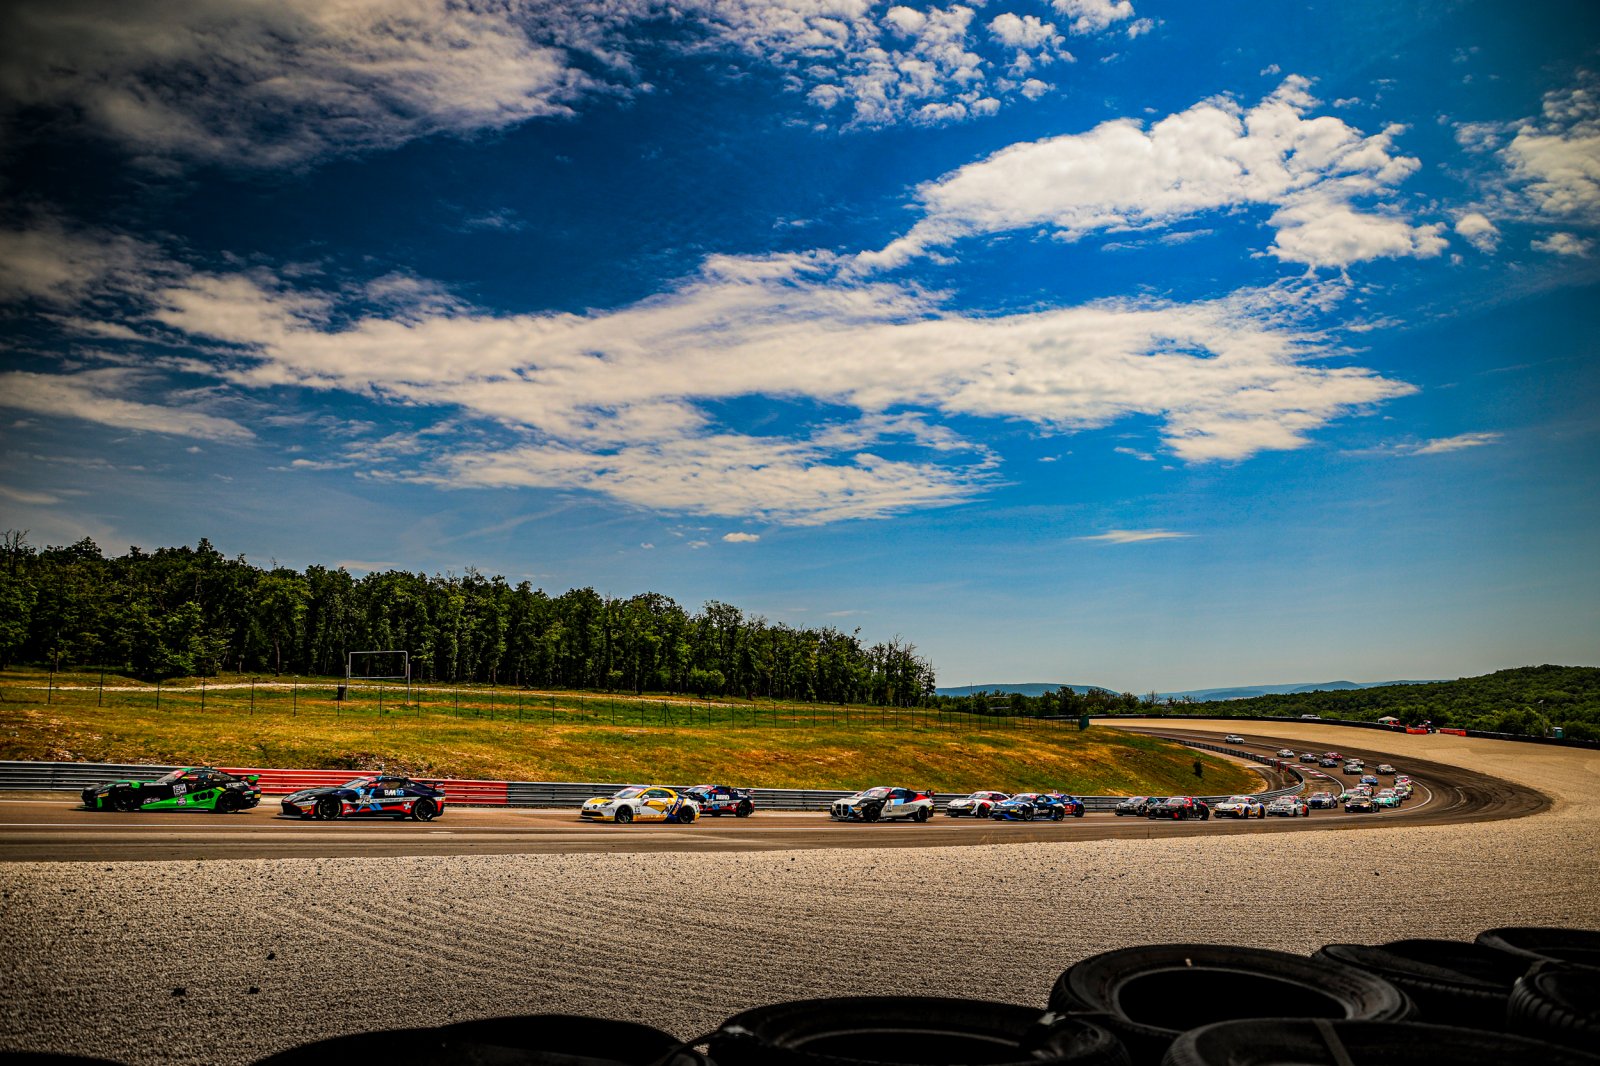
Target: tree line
(1527, 700)
(192, 611)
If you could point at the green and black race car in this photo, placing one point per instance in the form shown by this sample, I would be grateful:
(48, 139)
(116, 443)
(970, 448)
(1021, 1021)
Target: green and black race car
(199, 788)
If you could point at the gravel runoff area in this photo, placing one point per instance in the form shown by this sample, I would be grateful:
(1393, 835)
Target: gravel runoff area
(224, 961)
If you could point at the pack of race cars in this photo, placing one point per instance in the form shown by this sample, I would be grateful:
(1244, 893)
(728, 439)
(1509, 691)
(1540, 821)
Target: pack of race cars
(398, 797)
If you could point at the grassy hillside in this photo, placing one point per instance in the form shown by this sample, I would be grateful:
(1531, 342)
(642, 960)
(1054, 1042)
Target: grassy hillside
(500, 734)
(1528, 700)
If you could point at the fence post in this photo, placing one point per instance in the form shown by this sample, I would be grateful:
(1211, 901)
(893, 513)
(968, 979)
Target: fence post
(158, 693)
(99, 699)
(294, 698)
(50, 687)
(203, 697)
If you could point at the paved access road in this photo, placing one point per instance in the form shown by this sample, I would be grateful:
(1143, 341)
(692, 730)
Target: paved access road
(43, 830)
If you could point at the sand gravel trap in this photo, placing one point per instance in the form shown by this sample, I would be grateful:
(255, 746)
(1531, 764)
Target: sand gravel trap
(273, 953)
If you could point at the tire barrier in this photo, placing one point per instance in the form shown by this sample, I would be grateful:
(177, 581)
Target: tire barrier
(1159, 1005)
(907, 1031)
(1532, 943)
(1149, 996)
(1558, 1003)
(1450, 982)
(1320, 1042)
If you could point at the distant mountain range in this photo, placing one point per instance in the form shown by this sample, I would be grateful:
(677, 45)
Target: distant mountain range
(1201, 695)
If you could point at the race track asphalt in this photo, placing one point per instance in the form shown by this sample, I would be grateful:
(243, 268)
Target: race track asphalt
(50, 830)
(680, 927)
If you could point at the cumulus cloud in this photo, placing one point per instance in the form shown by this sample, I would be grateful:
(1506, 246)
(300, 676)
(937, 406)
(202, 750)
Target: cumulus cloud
(1563, 244)
(1556, 158)
(741, 538)
(1136, 536)
(624, 403)
(100, 396)
(1214, 156)
(1478, 231)
(273, 83)
(1093, 16)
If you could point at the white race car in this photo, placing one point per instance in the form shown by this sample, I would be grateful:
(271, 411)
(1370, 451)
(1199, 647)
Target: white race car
(979, 804)
(642, 803)
(884, 804)
(1239, 807)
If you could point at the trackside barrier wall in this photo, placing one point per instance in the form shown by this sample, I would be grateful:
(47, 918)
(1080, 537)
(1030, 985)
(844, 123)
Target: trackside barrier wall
(75, 777)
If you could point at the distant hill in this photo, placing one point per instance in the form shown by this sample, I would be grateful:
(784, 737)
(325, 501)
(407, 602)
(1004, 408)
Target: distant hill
(1199, 695)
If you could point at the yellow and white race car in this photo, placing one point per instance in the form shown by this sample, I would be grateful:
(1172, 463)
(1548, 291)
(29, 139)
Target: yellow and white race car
(642, 803)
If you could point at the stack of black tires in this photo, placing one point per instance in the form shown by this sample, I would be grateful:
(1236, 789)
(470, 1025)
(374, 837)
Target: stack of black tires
(1513, 996)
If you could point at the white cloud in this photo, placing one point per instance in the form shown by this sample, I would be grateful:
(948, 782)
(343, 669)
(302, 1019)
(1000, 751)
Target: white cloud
(1440, 445)
(48, 261)
(1563, 244)
(622, 403)
(741, 538)
(99, 396)
(1093, 16)
(27, 496)
(1556, 158)
(1481, 233)
(1214, 156)
(1135, 536)
(278, 82)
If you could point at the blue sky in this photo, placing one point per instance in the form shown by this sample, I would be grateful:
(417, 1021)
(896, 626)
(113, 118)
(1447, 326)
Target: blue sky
(1150, 345)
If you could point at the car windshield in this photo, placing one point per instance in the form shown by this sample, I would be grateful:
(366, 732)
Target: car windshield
(627, 793)
(1176, 799)
(1238, 799)
(1134, 799)
(176, 775)
(358, 782)
(873, 793)
(1025, 797)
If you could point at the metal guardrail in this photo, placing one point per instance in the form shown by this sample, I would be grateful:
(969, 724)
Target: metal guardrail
(75, 777)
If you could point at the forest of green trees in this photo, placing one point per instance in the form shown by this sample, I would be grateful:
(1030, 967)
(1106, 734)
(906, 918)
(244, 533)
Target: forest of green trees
(191, 611)
(1528, 700)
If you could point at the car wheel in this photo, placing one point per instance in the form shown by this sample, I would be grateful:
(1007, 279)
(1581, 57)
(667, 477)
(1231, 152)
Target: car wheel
(1027, 814)
(1059, 814)
(124, 802)
(870, 813)
(686, 815)
(1077, 812)
(1205, 816)
(228, 802)
(624, 815)
(425, 810)
(329, 808)
(744, 809)
(983, 812)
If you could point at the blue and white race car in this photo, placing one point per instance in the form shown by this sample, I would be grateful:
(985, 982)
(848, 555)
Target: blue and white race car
(374, 796)
(1032, 807)
(717, 800)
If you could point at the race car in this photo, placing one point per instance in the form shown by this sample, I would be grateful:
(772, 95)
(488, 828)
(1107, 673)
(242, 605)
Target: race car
(1370, 780)
(1402, 779)
(1240, 807)
(1404, 789)
(978, 805)
(1289, 807)
(1073, 804)
(1322, 801)
(202, 788)
(884, 803)
(1135, 805)
(1387, 797)
(370, 796)
(1327, 763)
(1032, 806)
(1285, 753)
(717, 800)
(1386, 770)
(1360, 803)
(642, 803)
(1233, 738)
(1352, 766)
(1308, 756)
(1179, 808)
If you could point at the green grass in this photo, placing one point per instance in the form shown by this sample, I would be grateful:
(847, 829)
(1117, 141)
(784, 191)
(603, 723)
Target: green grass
(517, 735)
